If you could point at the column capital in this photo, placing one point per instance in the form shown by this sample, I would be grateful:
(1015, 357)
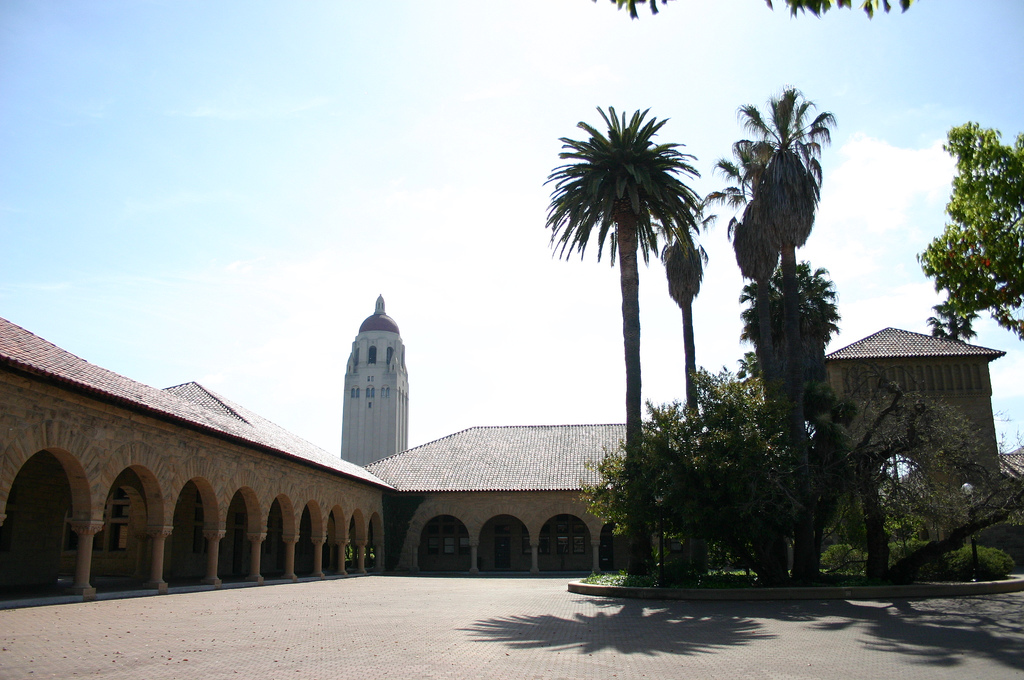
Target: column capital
(89, 527)
(257, 536)
(290, 539)
(359, 544)
(215, 534)
(319, 541)
(162, 532)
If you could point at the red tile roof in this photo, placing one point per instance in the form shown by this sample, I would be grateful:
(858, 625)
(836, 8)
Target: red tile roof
(526, 458)
(893, 343)
(190, 404)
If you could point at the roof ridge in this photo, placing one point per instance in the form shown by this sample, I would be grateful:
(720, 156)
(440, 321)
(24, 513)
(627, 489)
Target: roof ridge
(212, 395)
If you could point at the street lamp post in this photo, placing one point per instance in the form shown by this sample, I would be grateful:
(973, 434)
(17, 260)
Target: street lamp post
(969, 490)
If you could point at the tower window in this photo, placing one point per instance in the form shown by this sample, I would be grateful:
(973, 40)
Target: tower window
(385, 392)
(369, 392)
(369, 404)
(391, 353)
(355, 391)
(372, 358)
(355, 358)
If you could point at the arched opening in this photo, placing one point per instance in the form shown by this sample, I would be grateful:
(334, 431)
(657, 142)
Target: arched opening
(31, 537)
(444, 545)
(391, 354)
(356, 541)
(123, 547)
(242, 519)
(372, 355)
(375, 543)
(304, 548)
(334, 547)
(193, 515)
(504, 545)
(564, 545)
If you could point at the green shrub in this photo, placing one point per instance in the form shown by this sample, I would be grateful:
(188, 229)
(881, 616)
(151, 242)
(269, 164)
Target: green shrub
(958, 565)
(843, 559)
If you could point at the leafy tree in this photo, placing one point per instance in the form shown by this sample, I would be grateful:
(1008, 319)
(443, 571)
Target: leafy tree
(784, 201)
(978, 257)
(950, 324)
(818, 315)
(911, 456)
(816, 7)
(622, 189)
(684, 269)
(819, 7)
(725, 470)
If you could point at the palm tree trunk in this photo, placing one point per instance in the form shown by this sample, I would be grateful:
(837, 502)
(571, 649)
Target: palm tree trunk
(629, 282)
(765, 346)
(805, 560)
(690, 356)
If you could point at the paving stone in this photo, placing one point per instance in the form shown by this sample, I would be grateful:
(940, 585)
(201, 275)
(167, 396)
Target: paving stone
(516, 628)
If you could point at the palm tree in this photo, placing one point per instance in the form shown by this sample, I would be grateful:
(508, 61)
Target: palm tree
(684, 269)
(623, 182)
(951, 324)
(819, 315)
(756, 256)
(784, 201)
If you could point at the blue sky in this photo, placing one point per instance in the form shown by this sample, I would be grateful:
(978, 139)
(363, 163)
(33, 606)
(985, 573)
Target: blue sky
(219, 191)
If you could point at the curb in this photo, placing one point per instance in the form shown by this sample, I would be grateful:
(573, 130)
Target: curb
(1011, 585)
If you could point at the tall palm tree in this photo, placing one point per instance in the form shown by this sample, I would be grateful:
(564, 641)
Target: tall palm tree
(622, 189)
(949, 323)
(756, 255)
(684, 269)
(785, 199)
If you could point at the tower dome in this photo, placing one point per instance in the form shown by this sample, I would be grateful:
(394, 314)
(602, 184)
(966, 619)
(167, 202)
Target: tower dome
(379, 321)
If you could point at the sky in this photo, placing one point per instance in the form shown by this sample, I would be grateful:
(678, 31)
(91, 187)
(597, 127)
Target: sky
(218, 192)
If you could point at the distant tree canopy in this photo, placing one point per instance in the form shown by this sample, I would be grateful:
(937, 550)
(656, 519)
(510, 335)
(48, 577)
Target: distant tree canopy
(978, 256)
(816, 7)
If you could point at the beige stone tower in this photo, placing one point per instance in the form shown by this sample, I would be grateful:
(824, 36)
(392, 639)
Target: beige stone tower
(375, 415)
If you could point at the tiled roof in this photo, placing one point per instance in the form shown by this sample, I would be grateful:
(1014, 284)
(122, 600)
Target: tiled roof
(1012, 464)
(189, 404)
(527, 458)
(893, 343)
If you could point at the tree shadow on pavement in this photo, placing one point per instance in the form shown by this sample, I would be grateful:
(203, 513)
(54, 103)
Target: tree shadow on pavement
(939, 632)
(626, 626)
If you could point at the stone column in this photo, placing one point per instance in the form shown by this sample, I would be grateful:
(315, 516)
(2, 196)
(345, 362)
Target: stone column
(256, 541)
(415, 568)
(158, 538)
(595, 547)
(473, 545)
(361, 556)
(212, 557)
(289, 558)
(83, 560)
(534, 559)
(318, 557)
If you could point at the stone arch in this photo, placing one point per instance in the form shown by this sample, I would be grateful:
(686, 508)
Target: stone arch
(502, 540)
(357, 526)
(567, 543)
(35, 530)
(152, 491)
(71, 447)
(376, 541)
(196, 513)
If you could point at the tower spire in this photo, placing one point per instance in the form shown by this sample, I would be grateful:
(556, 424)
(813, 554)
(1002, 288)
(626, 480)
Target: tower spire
(380, 305)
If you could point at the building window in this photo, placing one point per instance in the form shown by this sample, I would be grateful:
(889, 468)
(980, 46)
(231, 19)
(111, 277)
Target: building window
(385, 392)
(355, 391)
(372, 356)
(447, 535)
(391, 353)
(120, 507)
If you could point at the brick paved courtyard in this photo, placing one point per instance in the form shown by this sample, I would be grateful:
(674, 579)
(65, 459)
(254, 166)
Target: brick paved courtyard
(521, 628)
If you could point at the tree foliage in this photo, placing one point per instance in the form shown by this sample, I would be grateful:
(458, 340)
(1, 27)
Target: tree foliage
(816, 7)
(978, 257)
(722, 472)
(819, 7)
(951, 324)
